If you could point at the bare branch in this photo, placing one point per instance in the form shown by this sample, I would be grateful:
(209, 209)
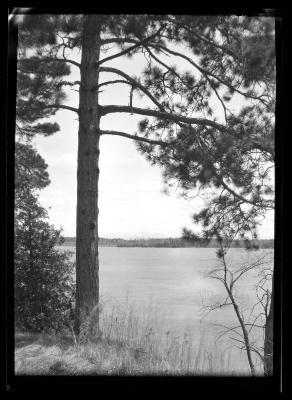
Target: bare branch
(133, 137)
(113, 82)
(258, 353)
(227, 330)
(240, 341)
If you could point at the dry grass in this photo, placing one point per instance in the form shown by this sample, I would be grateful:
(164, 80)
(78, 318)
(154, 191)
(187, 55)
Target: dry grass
(129, 345)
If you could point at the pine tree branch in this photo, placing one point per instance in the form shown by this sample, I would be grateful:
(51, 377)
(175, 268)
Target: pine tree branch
(136, 45)
(202, 70)
(109, 109)
(179, 119)
(218, 97)
(208, 41)
(224, 184)
(67, 83)
(117, 40)
(23, 131)
(254, 143)
(134, 83)
(46, 59)
(163, 64)
(206, 72)
(260, 205)
(133, 137)
(61, 106)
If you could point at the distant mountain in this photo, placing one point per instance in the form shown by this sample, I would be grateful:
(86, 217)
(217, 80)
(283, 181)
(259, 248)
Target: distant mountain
(168, 242)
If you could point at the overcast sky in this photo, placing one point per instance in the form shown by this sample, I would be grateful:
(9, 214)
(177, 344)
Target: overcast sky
(131, 201)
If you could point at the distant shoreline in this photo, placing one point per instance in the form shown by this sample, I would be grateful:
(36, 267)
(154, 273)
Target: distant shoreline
(168, 243)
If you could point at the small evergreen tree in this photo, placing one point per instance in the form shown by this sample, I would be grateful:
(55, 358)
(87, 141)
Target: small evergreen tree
(43, 281)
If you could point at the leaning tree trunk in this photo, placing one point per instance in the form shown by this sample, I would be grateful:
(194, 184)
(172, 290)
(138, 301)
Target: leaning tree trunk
(268, 344)
(87, 266)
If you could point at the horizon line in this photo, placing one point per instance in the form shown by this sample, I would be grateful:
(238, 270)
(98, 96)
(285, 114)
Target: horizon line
(153, 238)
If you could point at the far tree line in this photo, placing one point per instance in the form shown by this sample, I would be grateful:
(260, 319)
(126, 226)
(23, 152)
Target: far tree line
(171, 242)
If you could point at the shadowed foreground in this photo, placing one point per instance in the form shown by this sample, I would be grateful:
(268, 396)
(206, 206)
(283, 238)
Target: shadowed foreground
(128, 345)
(52, 355)
(58, 355)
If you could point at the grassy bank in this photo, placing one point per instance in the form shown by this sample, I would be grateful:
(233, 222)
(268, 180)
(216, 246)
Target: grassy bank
(128, 346)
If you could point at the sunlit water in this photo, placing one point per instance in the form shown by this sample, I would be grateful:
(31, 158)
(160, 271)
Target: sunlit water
(174, 282)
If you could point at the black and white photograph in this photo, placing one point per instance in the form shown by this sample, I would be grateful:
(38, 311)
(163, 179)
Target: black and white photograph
(144, 194)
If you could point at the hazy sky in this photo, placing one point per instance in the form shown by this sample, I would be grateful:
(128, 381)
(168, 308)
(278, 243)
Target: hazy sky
(131, 201)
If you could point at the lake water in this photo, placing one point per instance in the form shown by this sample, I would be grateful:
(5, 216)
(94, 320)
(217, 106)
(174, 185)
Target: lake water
(174, 281)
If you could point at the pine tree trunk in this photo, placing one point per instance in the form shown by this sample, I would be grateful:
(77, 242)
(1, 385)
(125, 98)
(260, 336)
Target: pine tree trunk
(268, 345)
(87, 266)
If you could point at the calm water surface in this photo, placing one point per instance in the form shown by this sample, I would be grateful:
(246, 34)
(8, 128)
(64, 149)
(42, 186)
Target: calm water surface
(174, 281)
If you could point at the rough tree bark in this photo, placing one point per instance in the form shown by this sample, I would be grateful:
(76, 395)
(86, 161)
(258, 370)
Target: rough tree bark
(87, 281)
